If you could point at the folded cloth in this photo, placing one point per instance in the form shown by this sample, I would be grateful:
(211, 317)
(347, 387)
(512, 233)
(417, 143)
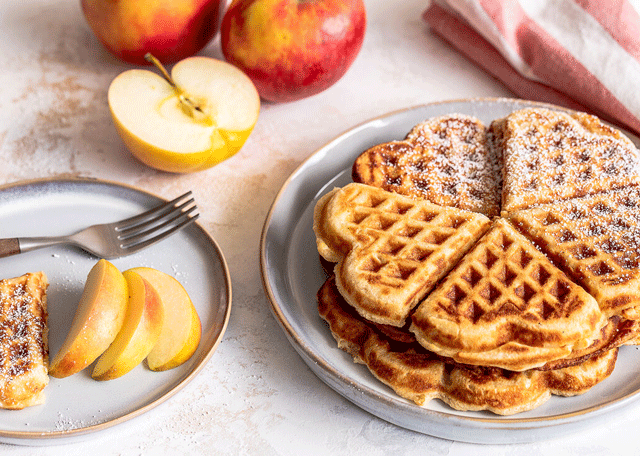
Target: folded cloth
(581, 54)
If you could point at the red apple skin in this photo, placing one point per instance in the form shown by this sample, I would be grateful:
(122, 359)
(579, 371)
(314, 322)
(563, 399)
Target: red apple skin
(171, 30)
(292, 49)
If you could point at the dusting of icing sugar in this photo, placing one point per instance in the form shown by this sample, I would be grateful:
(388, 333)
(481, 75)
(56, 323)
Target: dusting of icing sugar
(447, 160)
(600, 233)
(66, 423)
(23, 348)
(550, 156)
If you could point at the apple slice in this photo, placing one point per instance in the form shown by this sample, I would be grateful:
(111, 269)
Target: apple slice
(200, 115)
(139, 333)
(98, 319)
(181, 330)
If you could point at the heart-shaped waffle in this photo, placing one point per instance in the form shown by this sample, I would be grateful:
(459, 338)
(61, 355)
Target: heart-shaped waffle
(419, 375)
(596, 239)
(506, 305)
(390, 249)
(553, 155)
(446, 160)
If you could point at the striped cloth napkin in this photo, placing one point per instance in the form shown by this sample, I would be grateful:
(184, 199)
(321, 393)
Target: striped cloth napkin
(581, 54)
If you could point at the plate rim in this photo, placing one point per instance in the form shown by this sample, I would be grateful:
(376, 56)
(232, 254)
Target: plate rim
(24, 437)
(490, 424)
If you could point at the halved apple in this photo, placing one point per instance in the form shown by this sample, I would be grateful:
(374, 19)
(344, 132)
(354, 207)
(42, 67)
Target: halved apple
(97, 320)
(182, 329)
(200, 115)
(139, 333)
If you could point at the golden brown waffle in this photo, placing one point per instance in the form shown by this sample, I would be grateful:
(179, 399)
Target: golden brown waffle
(506, 305)
(445, 160)
(551, 156)
(596, 240)
(635, 340)
(418, 375)
(24, 351)
(615, 333)
(390, 249)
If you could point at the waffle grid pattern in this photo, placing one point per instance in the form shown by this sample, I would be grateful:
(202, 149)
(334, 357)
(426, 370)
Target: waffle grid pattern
(596, 239)
(403, 237)
(550, 156)
(502, 293)
(394, 249)
(446, 160)
(23, 339)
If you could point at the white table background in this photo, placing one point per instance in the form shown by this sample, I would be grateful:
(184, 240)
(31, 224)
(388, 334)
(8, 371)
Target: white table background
(255, 395)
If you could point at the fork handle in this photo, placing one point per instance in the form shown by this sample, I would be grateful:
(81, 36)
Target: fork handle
(13, 246)
(9, 247)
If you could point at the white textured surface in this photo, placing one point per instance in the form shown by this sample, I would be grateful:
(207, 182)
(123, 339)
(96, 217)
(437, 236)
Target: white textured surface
(255, 396)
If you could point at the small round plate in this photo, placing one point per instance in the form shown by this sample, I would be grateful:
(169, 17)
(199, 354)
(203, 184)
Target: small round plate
(78, 406)
(292, 275)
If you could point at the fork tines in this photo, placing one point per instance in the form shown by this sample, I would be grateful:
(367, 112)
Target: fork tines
(149, 227)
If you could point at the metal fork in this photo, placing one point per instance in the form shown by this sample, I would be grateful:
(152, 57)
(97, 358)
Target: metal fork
(113, 240)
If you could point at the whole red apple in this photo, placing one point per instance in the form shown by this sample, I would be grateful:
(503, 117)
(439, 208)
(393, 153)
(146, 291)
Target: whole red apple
(292, 49)
(169, 29)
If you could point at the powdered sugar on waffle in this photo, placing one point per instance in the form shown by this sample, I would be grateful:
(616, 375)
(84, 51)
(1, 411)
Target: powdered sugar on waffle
(596, 239)
(23, 339)
(551, 156)
(446, 160)
(461, 153)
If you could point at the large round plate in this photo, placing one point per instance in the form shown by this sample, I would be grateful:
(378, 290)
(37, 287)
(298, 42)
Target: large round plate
(77, 406)
(292, 275)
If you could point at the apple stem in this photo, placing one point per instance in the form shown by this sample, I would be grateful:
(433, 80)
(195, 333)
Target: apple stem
(188, 106)
(151, 59)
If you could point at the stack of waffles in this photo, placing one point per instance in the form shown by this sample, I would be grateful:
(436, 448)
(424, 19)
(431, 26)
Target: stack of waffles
(487, 267)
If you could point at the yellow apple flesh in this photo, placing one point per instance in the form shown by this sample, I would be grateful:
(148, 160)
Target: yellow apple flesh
(99, 317)
(181, 331)
(164, 132)
(139, 333)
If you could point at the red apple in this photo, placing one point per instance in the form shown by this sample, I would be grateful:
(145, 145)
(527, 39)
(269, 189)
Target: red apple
(169, 29)
(292, 49)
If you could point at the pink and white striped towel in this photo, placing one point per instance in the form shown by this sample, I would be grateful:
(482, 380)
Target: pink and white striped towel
(581, 54)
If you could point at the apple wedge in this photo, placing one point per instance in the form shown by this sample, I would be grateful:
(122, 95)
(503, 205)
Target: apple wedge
(181, 330)
(200, 115)
(139, 333)
(97, 320)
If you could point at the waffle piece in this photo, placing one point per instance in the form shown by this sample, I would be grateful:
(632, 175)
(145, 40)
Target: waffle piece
(419, 376)
(24, 351)
(551, 156)
(390, 249)
(615, 333)
(445, 160)
(596, 240)
(635, 340)
(506, 305)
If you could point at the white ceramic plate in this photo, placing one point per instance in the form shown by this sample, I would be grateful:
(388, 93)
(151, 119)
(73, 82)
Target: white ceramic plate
(292, 275)
(77, 406)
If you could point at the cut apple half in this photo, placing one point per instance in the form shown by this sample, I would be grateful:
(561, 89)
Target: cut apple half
(182, 329)
(98, 318)
(203, 118)
(139, 333)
